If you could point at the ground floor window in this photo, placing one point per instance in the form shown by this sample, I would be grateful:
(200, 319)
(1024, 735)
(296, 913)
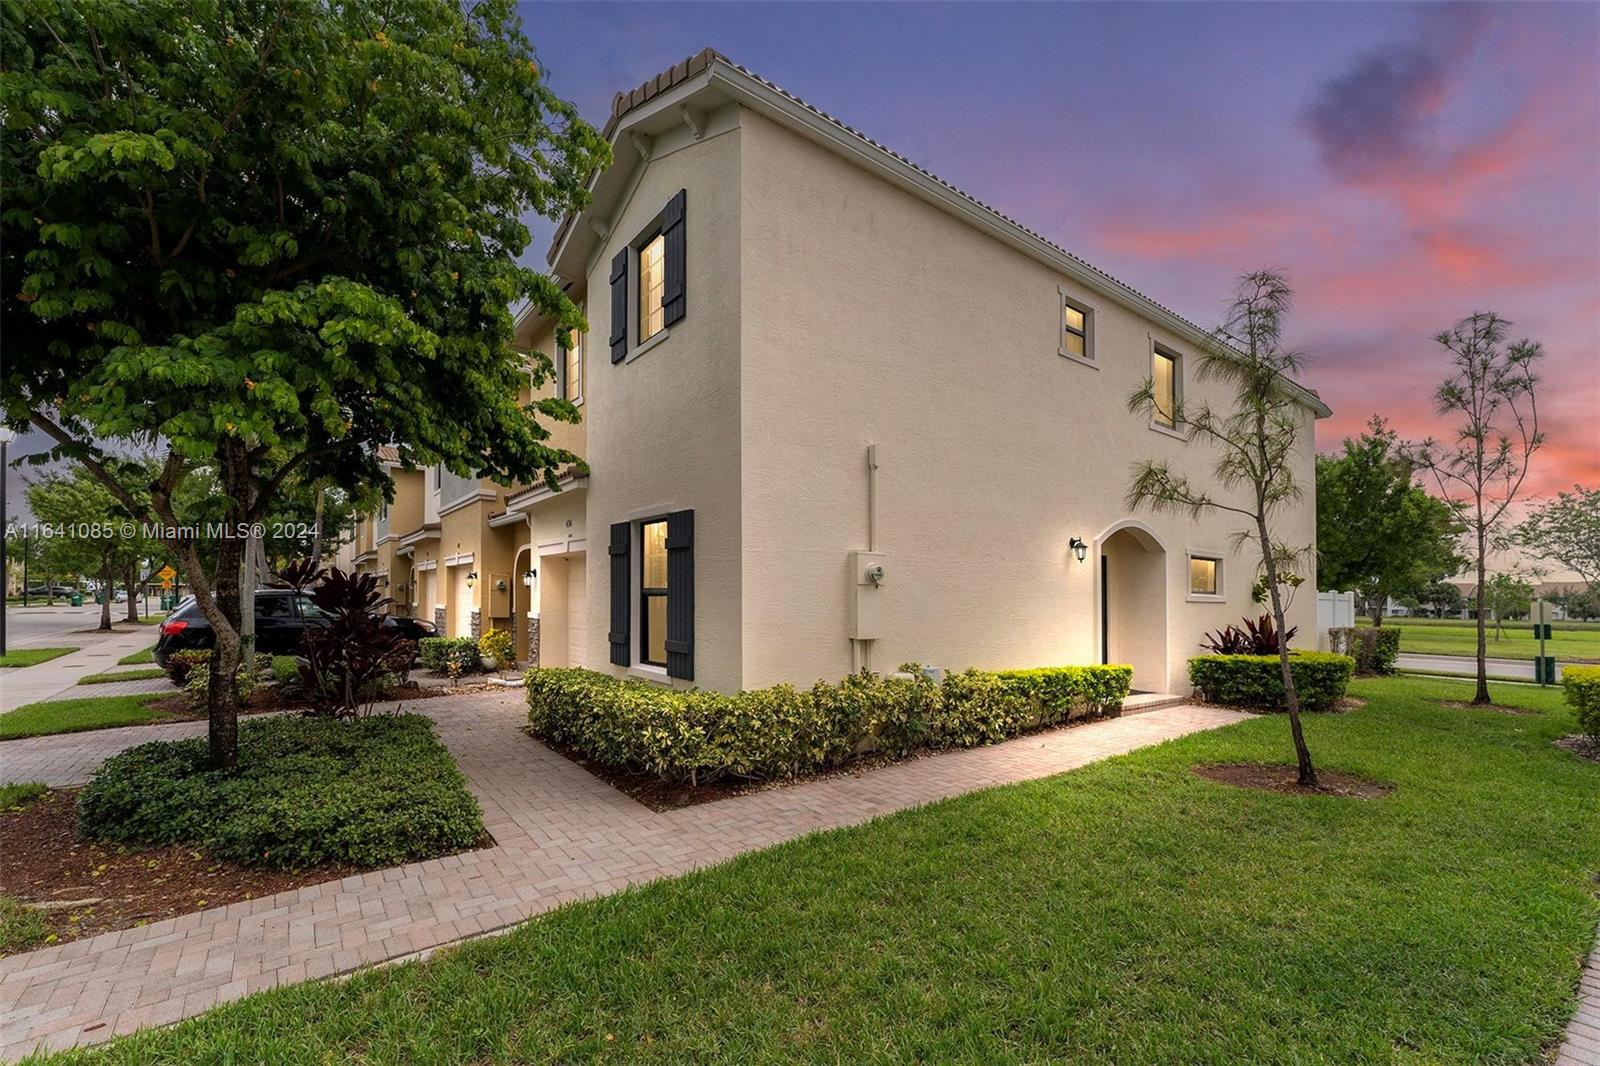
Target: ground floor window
(653, 592)
(1205, 576)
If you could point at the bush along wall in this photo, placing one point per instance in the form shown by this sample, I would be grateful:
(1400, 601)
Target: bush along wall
(1582, 687)
(778, 732)
(1256, 681)
(1374, 648)
(437, 653)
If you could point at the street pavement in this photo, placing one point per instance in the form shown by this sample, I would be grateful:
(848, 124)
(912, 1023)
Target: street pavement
(65, 627)
(1467, 666)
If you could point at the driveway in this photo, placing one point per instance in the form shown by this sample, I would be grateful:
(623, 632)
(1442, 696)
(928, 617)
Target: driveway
(560, 834)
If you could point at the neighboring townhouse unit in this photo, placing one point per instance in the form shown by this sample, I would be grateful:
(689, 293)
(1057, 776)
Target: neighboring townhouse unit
(839, 415)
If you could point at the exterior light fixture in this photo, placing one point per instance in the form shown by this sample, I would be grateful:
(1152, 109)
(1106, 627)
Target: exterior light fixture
(528, 576)
(472, 579)
(1079, 548)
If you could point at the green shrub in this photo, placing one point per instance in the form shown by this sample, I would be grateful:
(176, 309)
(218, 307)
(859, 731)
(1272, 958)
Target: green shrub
(783, 732)
(1374, 648)
(181, 663)
(1582, 686)
(370, 792)
(438, 653)
(198, 686)
(499, 647)
(1256, 681)
(286, 669)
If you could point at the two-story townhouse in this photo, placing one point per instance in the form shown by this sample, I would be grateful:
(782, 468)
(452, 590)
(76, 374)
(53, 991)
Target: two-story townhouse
(376, 546)
(840, 414)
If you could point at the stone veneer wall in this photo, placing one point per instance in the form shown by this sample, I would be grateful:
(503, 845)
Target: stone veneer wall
(438, 621)
(533, 643)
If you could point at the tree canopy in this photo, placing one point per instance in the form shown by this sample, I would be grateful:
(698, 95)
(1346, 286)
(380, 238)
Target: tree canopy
(1378, 532)
(264, 236)
(1566, 531)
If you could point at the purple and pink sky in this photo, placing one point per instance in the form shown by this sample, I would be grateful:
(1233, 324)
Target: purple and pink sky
(1405, 164)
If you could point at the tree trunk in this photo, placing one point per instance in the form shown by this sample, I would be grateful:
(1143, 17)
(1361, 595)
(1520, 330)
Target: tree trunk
(133, 599)
(105, 598)
(1291, 699)
(1482, 695)
(1375, 611)
(222, 710)
(316, 535)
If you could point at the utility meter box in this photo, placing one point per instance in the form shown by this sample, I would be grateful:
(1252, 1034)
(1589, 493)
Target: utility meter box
(868, 575)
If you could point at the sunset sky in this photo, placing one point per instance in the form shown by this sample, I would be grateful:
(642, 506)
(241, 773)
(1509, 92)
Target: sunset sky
(1406, 165)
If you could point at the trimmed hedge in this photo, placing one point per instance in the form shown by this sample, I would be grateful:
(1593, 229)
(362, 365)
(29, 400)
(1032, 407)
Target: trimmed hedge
(437, 653)
(1320, 679)
(1582, 686)
(1374, 648)
(782, 731)
(370, 792)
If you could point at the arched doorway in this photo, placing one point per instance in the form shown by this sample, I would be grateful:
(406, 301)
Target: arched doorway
(522, 600)
(1133, 603)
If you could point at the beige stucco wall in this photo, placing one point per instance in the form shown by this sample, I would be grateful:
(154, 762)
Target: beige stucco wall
(668, 435)
(868, 316)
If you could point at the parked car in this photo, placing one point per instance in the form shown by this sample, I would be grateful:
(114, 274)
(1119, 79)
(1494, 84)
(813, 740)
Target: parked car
(51, 590)
(282, 615)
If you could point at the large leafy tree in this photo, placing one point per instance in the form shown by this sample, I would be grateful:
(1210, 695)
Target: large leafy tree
(263, 236)
(1255, 437)
(1378, 532)
(1566, 531)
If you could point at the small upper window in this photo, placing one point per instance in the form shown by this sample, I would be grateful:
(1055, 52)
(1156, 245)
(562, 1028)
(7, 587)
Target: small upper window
(652, 282)
(1164, 378)
(1077, 329)
(1203, 576)
(572, 367)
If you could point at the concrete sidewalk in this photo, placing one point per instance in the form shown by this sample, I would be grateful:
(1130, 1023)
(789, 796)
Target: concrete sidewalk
(560, 834)
(58, 678)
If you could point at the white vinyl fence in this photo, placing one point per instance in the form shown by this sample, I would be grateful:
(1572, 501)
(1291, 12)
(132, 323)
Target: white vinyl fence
(1334, 610)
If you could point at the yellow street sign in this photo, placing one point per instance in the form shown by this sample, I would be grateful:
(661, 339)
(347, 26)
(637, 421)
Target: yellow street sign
(166, 574)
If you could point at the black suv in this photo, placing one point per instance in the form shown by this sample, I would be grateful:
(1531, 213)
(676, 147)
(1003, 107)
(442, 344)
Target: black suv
(281, 616)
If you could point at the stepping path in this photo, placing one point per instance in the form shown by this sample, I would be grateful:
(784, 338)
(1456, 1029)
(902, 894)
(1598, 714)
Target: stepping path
(1581, 1046)
(560, 834)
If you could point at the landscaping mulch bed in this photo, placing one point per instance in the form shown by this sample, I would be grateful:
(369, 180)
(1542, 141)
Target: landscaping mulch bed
(1581, 746)
(661, 795)
(265, 699)
(1273, 777)
(1498, 708)
(94, 888)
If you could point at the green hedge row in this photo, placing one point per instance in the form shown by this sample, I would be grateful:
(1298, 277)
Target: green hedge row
(1582, 686)
(1320, 679)
(437, 653)
(1375, 649)
(371, 792)
(782, 731)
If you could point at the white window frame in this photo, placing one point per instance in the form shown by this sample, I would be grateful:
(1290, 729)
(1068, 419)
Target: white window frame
(1209, 555)
(1066, 300)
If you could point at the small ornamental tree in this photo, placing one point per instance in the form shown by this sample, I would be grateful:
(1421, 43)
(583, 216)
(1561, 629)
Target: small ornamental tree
(265, 236)
(1507, 596)
(1490, 392)
(1257, 439)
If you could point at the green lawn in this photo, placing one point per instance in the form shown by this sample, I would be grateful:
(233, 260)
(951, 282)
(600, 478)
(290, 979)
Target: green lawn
(32, 656)
(122, 675)
(74, 716)
(1429, 637)
(1126, 912)
(148, 655)
(18, 794)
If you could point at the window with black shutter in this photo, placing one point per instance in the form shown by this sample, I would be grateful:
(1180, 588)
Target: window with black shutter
(621, 585)
(672, 232)
(648, 280)
(680, 599)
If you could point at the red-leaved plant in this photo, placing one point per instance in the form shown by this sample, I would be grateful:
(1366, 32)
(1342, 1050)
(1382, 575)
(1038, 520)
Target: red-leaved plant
(350, 663)
(1258, 637)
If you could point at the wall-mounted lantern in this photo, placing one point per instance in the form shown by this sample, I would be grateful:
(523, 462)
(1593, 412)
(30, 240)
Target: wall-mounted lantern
(500, 585)
(472, 579)
(1079, 548)
(528, 576)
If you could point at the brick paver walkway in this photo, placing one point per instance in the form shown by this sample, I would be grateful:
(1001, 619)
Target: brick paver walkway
(560, 833)
(1582, 1044)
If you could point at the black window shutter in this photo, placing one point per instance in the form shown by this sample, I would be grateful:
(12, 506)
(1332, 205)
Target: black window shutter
(619, 306)
(561, 364)
(672, 302)
(621, 586)
(680, 595)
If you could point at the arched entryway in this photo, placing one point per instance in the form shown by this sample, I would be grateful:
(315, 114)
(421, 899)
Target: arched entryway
(1133, 603)
(522, 599)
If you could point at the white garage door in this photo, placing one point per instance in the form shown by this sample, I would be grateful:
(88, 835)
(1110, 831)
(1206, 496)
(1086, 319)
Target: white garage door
(577, 611)
(461, 620)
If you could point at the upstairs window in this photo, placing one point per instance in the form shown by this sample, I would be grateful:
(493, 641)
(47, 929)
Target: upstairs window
(1164, 378)
(1077, 329)
(652, 283)
(570, 367)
